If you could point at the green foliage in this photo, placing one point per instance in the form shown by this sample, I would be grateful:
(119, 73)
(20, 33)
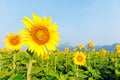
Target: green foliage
(60, 66)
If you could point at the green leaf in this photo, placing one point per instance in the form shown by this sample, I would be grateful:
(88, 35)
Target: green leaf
(117, 73)
(70, 73)
(5, 73)
(36, 70)
(72, 78)
(95, 73)
(53, 73)
(26, 59)
(16, 77)
(63, 77)
(90, 78)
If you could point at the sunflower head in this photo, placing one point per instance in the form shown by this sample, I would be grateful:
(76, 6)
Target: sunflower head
(91, 44)
(80, 46)
(50, 52)
(45, 56)
(103, 50)
(118, 48)
(112, 59)
(4, 49)
(80, 58)
(40, 35)
(97, 52)
(13, 41)
(75, 49)
(66, 50)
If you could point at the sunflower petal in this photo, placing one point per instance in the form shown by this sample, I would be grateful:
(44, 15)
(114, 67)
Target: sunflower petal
(50, 46)
(35, 18)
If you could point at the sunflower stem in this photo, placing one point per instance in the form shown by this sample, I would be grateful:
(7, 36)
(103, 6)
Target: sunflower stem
(14, 60)
(66, 63)
(29, 68)
(55, 62)
(116, 61)
(88, 58)
(77, 72)
(29, 65)
(47, 67)
(1, 62)
(42, 63)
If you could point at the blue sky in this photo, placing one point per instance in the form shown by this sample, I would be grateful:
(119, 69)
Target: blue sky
(79, 21)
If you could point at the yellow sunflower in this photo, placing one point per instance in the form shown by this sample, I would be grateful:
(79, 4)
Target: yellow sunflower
(50, 52)
(45, 56)
(112, 59)
(118, 48)
(66, 50)
(97, 52)
(80, 46)
(13, 41)
(75, 49)
(40, 34)
(79, 58)
(91, 44)
(103, 50)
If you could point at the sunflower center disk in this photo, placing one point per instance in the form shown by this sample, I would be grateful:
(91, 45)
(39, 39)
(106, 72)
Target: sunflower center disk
(79, 58)
(14, 40)
(41, 35)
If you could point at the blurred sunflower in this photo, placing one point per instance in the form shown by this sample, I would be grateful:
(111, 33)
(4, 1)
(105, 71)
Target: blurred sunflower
(80, 46)
(75, 49)
(4, 49)
(112, 59)
(66, 50)
(50, 52)
(79, 58)
(40, 34)
(91, 44)
(118, 48)
(97, 52)
(45, 56)
(103, 50)
(13, 41)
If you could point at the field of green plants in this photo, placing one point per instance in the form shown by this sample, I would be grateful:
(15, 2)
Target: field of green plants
(59, 66)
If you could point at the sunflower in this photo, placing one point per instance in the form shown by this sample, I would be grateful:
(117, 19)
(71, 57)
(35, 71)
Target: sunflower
(50, 52)
(66, 50)
(13, 41)
(80, 46)
(75, 49)
(112, 59)
(79, 58)
(118, 48)
(103, 50)
(4, 49)
(45, 56)
(91, 44)
(40, 35)
(97, 52)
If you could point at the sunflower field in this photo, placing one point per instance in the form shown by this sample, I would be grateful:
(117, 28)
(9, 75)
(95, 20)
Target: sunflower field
(60, 66)
(43, 61)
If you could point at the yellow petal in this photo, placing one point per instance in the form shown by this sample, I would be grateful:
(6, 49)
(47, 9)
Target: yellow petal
(50, 46)
(28, 26)
(28, 20)
(35, 18)
(53, 27)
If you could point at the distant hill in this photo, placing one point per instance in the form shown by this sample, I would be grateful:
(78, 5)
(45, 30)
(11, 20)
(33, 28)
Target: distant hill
(97, 47)
(65, 45)
(107, 47)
